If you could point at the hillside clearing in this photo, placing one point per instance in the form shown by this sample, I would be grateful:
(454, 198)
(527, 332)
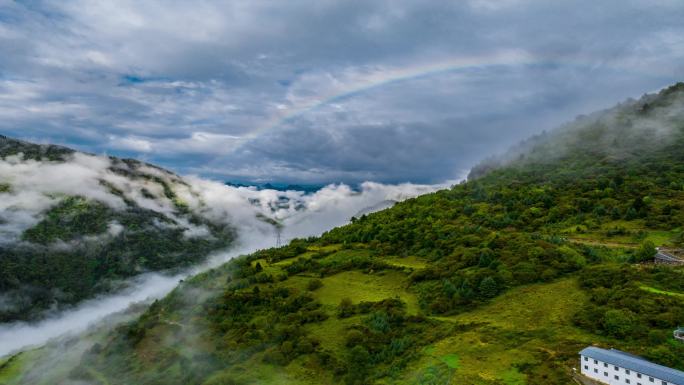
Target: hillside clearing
(527, 326)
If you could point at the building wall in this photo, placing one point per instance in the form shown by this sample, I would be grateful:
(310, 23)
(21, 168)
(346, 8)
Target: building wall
(610, 374)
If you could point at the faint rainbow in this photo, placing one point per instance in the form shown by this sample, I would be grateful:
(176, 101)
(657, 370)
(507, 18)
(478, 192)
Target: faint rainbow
(380, 78)
(389, 76)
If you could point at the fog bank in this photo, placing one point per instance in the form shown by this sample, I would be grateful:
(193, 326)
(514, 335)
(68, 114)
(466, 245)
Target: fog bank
(298, 213)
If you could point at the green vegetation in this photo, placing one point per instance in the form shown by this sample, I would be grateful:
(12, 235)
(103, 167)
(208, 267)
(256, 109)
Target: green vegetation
(73, 217)
(278, 326)
(625, 305)
(232, 325)
(658, 291)
(82, 247)
(10, 147)
(11, 368)
(500, 280)
(524, 336)
(37, 276)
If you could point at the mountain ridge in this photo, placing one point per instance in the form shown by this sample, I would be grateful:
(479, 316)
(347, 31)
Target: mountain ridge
(498, 280)
(67, 240)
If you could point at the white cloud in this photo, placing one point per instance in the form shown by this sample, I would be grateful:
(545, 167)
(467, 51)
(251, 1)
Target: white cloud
(196, 143)
(34, 183)
(494, 5)
(36, 186)
(130, 143)
(158, 76)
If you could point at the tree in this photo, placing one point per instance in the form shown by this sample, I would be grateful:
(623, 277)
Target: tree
(486, 258)
(646, 252)
(314, 284)
(631, 214)
(680, 238)
(466, 292)
(345, 308)
(619, 323)
(489, 288)
(354, 337)
(575, 259)
(358, 361)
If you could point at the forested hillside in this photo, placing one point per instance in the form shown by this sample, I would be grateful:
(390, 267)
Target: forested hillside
(73, 225)
(498, 280)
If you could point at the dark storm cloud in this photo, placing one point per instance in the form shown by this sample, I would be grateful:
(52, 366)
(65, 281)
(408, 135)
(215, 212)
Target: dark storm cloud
(326, 90)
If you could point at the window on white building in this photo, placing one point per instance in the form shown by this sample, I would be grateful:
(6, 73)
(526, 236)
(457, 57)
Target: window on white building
(595, 370)
(586, 367)
(605, 365)
(627, 371)
(650, 379)
(617, 377)
(586, 358)
(616, 368)
(627, 380)
(605, 374)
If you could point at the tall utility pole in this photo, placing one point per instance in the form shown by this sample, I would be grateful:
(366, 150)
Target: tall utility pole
(278, 240)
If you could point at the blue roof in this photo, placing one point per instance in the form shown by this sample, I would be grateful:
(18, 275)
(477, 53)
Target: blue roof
(635, 363)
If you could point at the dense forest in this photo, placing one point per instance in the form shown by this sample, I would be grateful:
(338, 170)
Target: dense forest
(81, 244)
(498, 280)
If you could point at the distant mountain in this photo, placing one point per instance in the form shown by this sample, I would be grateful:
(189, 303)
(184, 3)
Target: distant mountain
(307, 188)
(73, 225)
(629, 132)
(9, 147)
(499, 280)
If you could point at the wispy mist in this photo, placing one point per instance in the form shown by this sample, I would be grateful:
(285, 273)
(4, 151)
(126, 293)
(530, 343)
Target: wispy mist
(36, 186)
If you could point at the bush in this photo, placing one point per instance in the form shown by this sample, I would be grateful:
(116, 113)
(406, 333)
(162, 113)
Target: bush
(314, 284)
(358, 361)
(489, 288)
(619, 323)
(345, 308)
(646, 252)
(354, 337)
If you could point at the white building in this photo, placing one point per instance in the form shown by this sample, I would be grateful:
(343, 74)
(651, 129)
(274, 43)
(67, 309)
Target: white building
(678, 334)
(615, 367)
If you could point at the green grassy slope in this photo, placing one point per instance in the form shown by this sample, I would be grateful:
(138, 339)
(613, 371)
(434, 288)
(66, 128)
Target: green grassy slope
(500, 280)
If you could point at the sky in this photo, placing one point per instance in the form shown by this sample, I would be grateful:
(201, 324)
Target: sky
(323, 91)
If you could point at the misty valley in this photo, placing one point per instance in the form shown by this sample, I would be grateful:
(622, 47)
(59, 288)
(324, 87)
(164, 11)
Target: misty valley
(118, 229)
(336, 192)
(504, 277)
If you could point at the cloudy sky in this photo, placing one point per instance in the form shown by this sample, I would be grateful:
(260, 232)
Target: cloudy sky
(322, 91)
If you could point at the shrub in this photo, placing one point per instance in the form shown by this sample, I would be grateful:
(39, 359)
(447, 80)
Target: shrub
(354, 337)
(314, 284)
(345, 308)
(646, 252)
(489, 288)
(619, 323)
